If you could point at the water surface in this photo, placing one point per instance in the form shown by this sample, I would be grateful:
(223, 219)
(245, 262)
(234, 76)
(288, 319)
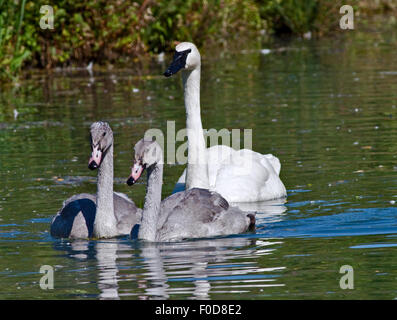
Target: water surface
(326, 108)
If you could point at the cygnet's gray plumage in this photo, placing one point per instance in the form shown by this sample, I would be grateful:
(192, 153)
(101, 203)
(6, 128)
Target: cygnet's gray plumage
(106, 214)
(195, 213)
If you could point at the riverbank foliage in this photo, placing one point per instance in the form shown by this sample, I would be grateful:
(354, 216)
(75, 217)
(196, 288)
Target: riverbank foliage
(114, 31)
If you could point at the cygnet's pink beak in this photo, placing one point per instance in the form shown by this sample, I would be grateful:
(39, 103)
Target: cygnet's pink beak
(136, 172)
(95, 159)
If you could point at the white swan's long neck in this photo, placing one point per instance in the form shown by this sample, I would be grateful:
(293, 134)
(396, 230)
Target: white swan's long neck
(105, 221)
(197, 172)
(151, 208)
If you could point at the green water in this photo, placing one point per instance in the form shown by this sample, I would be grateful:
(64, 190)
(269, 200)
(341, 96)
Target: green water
(326, 108)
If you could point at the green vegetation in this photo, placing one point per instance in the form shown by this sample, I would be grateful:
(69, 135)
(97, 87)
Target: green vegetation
(115, 31)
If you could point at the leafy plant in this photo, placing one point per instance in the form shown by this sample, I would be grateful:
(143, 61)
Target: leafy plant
(113, 31)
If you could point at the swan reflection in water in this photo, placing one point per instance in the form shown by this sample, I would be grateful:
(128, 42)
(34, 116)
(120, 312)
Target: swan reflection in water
(108, 272)
(104, 254)
(192, 269)
(195, 269)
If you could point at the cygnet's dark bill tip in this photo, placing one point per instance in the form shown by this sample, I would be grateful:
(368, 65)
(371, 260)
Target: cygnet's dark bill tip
(92, 165)
(130, 181)
(178, 62)
(95, 159)
(136, 172)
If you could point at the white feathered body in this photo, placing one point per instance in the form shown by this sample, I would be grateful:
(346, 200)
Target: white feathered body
(242, 175)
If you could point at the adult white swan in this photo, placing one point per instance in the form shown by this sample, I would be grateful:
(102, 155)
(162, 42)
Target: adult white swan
(106, 214)
(239, 176)
(195, 213)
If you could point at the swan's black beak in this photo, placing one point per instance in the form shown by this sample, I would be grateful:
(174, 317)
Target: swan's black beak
(178, 62)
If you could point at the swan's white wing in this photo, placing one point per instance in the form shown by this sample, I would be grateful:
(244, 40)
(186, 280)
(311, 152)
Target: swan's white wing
(275, 162)
(248, 176)
(217, 156)
(241, 179)
(241, 175)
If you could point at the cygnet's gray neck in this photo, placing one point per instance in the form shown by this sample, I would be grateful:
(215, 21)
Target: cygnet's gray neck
(151, 208)
(105, 221)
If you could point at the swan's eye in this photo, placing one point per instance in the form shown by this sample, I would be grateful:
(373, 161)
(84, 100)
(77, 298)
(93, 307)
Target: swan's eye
(104, 134)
